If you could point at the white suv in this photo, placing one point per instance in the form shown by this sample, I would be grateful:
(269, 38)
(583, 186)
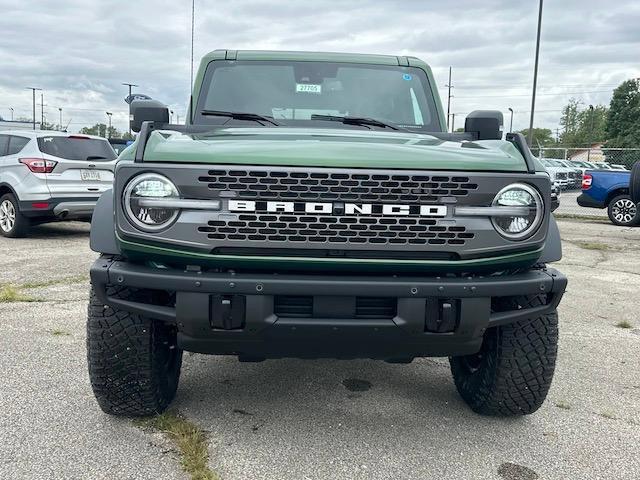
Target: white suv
(47, 176)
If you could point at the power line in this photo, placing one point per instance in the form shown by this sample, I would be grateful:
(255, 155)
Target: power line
(539, 94)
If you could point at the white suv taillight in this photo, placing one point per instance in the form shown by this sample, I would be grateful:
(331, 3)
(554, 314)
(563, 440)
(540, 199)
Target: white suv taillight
(39, 165)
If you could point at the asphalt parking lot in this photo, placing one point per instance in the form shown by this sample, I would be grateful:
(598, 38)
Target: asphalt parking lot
(292, 419)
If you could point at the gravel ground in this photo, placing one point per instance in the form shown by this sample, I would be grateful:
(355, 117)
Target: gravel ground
(323, 419)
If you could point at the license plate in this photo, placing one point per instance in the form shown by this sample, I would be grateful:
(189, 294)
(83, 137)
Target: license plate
(90, 175)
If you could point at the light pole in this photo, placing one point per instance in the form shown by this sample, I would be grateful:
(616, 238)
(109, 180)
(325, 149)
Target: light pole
(42, 110)
(109, 128)
(449, 87)
(11, 108)
(535, 76)
(129, 98)
(33, 90)
(511, 121)
(60, 111)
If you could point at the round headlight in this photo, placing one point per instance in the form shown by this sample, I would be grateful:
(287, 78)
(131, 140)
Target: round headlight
(523, 220)
(143, 202)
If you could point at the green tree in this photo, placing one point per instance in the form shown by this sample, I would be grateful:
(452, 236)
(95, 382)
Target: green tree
(623, 121)
(100, 129)
(541, 136)
(581, 126)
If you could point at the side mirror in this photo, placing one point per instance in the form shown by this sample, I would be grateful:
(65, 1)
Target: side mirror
(484, 124)
(147, 110)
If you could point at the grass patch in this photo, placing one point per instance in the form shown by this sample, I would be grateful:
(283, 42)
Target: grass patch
(57, 281)
(624, 324)
(188, 438)
(60, 333)
(592, 245)
(563, 405)
(10, 293)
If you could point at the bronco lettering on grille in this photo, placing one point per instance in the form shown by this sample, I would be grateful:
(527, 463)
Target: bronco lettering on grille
(338, 208)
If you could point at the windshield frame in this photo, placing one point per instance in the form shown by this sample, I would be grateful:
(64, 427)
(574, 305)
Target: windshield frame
(432, 101)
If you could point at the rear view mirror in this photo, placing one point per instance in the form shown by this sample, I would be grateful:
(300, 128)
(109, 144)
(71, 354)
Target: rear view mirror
(484, 124)
(147, 110)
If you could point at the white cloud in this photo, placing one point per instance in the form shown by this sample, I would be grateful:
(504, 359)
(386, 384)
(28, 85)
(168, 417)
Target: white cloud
(80, 52)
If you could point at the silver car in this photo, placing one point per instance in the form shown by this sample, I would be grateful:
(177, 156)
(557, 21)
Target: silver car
(47, 176)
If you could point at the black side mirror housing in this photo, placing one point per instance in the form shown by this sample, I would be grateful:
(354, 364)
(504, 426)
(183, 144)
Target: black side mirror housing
(484, 124)
(147, 111)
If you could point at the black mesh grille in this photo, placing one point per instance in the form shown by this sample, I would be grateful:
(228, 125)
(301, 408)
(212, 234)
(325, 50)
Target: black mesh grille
(364, 187)
(295, 306)
(335, 230)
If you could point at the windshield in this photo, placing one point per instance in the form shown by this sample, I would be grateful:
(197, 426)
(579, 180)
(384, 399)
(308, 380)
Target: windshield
(291, 92)
(77, 148)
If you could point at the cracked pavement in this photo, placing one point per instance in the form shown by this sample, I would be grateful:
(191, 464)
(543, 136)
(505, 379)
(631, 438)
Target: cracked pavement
(323, 419)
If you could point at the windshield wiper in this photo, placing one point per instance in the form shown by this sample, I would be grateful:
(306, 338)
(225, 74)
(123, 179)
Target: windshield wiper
(240, 116)
(347, 120)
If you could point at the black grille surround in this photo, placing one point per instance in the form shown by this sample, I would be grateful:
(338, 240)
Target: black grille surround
(258, 232)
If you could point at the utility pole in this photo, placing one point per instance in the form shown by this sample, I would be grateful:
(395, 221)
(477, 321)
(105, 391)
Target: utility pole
(511, 121)
(178, 118)
(590, 132)
(449, 87)
(129, 97)
(33, 90)
(535, 76)
(11, 108)
(453, 122)
(109, 128)
(60, 124)
(41, 110)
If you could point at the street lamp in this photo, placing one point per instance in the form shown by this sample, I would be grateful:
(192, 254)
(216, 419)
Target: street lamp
(590, 132)
(60, 110)
(511, 121)
(109, 128)
(535, 76)
(129, 101)
(11, 108)
(33, 90)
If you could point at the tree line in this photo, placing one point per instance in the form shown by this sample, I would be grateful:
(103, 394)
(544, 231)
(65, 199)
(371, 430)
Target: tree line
(616, 125)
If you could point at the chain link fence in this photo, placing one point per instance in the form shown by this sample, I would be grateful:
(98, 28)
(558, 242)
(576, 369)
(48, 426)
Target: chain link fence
(567, 166)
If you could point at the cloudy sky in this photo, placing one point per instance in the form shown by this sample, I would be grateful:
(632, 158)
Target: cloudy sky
(80, 51)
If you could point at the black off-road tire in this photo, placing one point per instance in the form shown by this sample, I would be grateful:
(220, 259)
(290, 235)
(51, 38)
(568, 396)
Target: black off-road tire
(623, 211)
(134, 364)
(512, 373)
(20, 223)
(634, 183)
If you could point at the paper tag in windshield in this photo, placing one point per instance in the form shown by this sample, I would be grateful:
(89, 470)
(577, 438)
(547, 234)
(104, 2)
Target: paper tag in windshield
(308, 88)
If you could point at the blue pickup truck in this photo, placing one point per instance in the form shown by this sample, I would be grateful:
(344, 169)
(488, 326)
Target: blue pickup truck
(610, 189)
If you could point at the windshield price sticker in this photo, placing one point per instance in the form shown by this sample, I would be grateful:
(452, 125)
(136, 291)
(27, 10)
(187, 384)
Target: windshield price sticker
(308, 88)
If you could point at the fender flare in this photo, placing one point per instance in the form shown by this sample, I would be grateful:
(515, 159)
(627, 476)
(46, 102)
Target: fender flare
(552, 251)
(102, 238)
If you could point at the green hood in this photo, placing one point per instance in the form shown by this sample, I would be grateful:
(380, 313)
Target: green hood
(331, 148)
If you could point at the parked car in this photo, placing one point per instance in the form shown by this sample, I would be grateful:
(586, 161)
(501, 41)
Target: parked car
(269, 225)
(610, 189)
(47, 176)
(574, 173)
(119, 144)
(559, 174)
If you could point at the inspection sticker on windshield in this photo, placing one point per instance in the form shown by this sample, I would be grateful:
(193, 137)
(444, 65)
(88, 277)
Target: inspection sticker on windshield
(308, 88)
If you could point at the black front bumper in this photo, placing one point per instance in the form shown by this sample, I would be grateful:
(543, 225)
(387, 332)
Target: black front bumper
(237, 314)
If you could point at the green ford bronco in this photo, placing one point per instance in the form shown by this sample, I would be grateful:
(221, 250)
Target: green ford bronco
(314, 206)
